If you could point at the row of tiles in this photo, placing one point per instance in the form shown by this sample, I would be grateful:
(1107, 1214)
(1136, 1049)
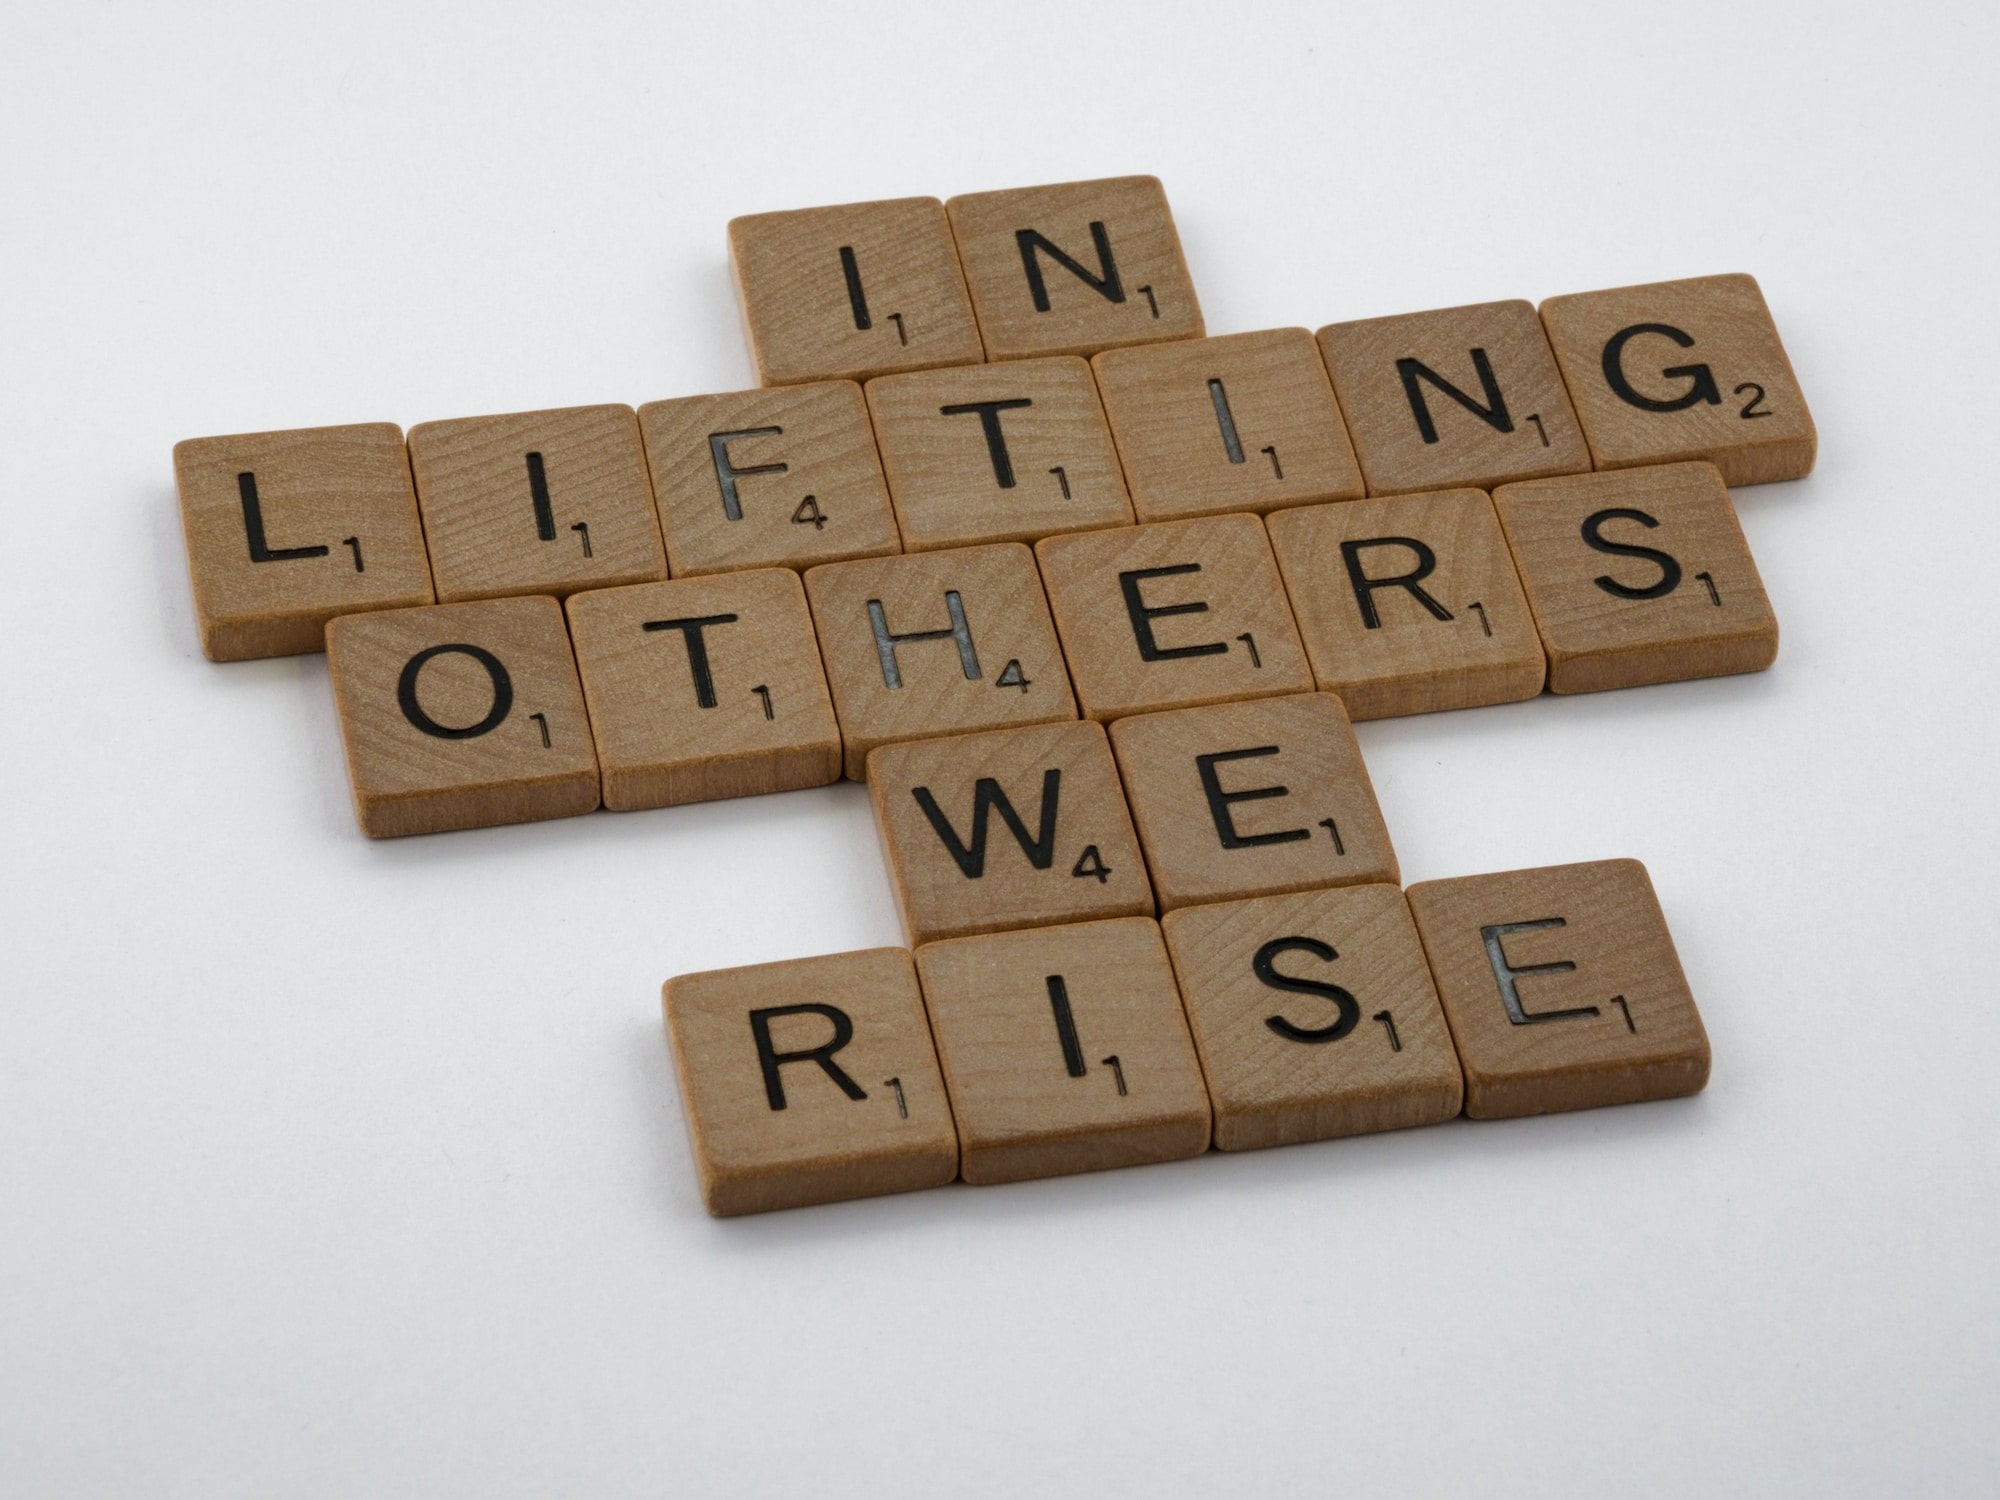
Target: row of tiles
(647, 695)
(286, 530)
(1638, 374)
(1246, 1024)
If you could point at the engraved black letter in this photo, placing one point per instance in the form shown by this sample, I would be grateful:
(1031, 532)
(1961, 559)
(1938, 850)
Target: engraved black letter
(986, 797)
(1670, 568)
(1143, 615)
(771, 1060)
(996, 440)
(691, 630)
(727, 474)
(1105, 283)
(1219, 800)
(1493, 413)
(958, 630)
(1364, 586)
(253, 527)
(1264, 966)
(503, 692)
(1701, 380)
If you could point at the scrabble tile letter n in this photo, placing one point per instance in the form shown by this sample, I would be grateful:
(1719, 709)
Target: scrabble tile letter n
(850, 291)
(809, 1081)
(1314, 1015)
(461, 716)
(1074, 267)
(1011, 828)
(538, 502)
(1064, 1049)
(1638, 576)
(285, 530)
(1683, 370)
(1562, 988)
(937, 643)
(1463, 396)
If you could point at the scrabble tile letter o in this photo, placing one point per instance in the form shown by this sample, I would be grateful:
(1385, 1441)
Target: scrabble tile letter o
(461, 716)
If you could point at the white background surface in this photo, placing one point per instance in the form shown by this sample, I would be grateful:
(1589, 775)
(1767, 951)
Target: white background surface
(339, 1168)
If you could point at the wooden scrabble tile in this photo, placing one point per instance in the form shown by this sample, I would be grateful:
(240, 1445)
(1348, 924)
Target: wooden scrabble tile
(940, 643)
(997, 453)
(461, 716)
(1246, 422)
(809, 1081)
(536, 502)
(1562, 988)
(1252, 799)
(285, 530)
(1064, 1050)
(1464, 396)
(1074, 267)
(853, 290)
(1010, 828)
(1410, 604)
(1172, 614)
(781, 477)
(704, 688)
(1683, 370)
(1314, 1015)
(1638, 576)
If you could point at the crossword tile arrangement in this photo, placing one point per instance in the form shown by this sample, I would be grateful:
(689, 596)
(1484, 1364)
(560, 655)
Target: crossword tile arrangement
(1089, 599)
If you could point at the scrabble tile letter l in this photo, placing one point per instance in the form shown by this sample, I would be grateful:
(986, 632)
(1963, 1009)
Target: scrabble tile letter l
(285, 530)
(1562, 988)
(809, 1081)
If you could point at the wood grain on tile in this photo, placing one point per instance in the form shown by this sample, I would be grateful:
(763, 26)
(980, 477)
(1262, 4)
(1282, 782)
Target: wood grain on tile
(461, 716)
(1172, 614)
(1074, 267)
(1638, 576)
(1314, 1015)
(938, 643)
(1459, 397)
(1011, 828)
(852, 290)
(1245, 422)
(285, 530)
(1683, 370)
(1252, 799)
(538, 502)
(704, 688)
(1562, 988)
(809, 1081)
(1064, 1050)
(786, 477)
(1410, 604)
(997, 453)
